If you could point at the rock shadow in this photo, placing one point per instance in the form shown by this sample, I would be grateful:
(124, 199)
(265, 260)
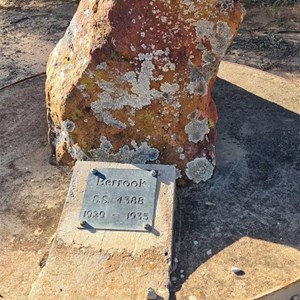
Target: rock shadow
(255, 191)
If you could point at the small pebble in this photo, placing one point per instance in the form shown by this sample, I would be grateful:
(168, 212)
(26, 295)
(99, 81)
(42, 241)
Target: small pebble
(209, 252)
(181, 271)
(151, 295)
(174, 279)
(196, 243)
(181, 276)
(175, 260)
(38, 231)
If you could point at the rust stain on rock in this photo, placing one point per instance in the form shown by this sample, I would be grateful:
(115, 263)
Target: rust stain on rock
(131, 81)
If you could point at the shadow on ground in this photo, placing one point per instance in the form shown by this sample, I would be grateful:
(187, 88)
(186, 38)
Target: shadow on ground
(255, 191)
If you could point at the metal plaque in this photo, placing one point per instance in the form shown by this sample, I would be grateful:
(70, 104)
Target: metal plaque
(119, 199)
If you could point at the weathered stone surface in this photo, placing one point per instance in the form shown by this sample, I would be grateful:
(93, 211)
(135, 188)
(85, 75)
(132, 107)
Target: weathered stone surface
(131, 82)
(106, 264)
(269, 272)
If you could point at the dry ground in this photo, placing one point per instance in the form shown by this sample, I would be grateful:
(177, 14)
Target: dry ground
(269, 39)
(255, 191)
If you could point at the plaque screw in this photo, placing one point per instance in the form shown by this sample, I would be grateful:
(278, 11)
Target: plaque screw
(151, 295)
(153, 173)
(147, 226)
(94, 171)
(82, 223)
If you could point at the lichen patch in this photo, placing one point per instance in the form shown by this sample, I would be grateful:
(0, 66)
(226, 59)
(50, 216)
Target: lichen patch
(198, 81)
(135, 153)
(101, 66)
(219, 38)
(196, 130)
(199, 169)
(67, 125)
(77, 154)
(115, 95)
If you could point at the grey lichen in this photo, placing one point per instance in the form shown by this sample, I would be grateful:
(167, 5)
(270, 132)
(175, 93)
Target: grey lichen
(199, 169)
(199, 78)
(71, 33)
(83, 91)
(226, 5)
(179, 150)
(224, 37)
(62, 137)
(169, 88)
(219, 39)
(105, 144)
(198, 81)
(178, 174)
(182, 156)
(196, 130)
(101, 66)
(126, 154)
(76, 152)
(67, 125)
(115, 95)
(210, 63)
(108, 119)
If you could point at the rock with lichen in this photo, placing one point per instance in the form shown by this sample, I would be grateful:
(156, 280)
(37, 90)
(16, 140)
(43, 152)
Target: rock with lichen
(131, 82)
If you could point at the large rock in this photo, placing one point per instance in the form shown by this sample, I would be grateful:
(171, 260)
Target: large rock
(131, 82)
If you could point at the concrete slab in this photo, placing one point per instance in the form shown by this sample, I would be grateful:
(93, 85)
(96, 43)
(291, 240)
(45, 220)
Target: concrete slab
(108, 264)
(290, 292)
(22, 264)
(267, 267)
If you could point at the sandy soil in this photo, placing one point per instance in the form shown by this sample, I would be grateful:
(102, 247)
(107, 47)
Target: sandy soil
(33, 192)
(28, 32)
